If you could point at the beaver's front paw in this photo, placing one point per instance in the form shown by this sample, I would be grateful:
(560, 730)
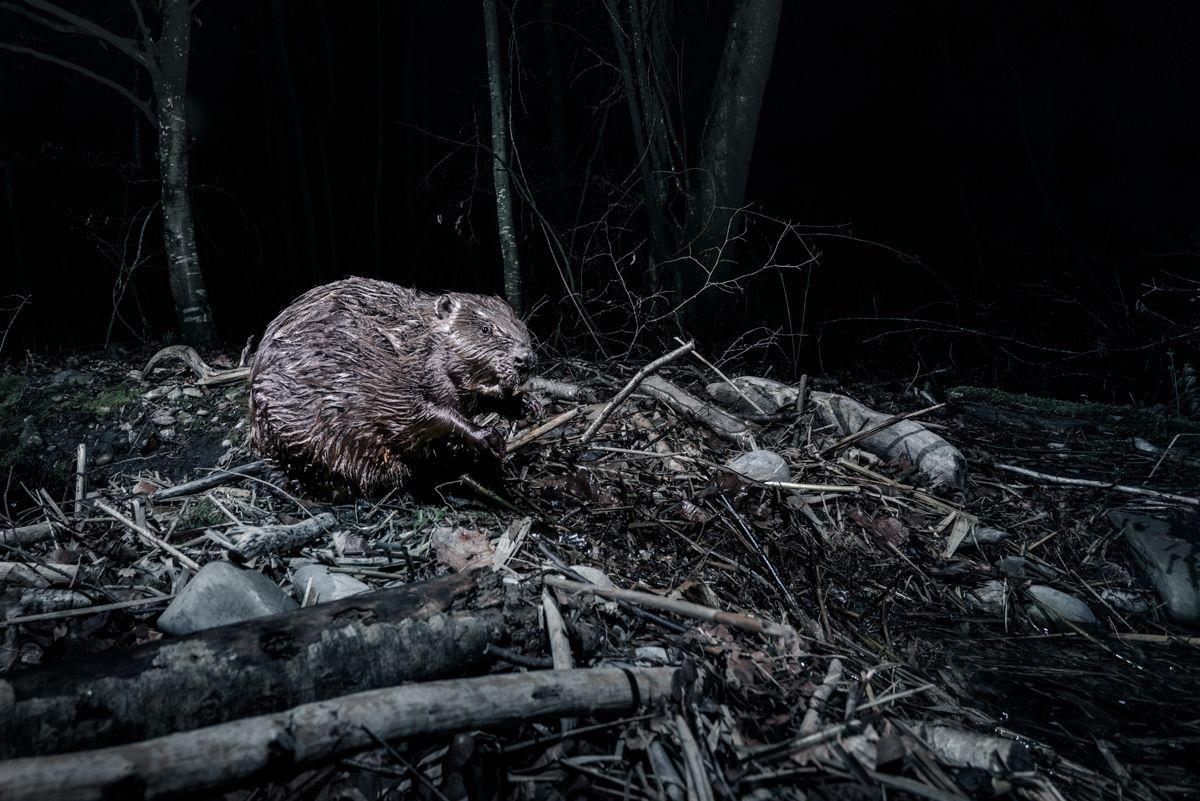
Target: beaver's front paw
(531, 406)
(490, 440)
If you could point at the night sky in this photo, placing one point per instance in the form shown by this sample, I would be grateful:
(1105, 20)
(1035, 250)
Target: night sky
(1006, 191)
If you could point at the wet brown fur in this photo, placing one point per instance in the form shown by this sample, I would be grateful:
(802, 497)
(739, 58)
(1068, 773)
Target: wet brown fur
(358, 378)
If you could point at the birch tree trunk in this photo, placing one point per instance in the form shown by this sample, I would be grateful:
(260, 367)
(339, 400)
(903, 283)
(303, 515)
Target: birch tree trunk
(179, 231)
(719, 184)
(504, 215)
(166, 61)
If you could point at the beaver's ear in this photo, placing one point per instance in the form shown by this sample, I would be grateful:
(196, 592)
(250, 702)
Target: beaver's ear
(443, 305)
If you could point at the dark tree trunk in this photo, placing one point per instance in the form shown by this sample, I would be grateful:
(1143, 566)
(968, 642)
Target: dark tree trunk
(299, 150)
(719, 184)
(558, 137)
(504, 214)
(179, 232)
(651, 199)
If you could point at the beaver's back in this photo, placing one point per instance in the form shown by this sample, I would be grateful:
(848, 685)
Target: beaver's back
(346, 370)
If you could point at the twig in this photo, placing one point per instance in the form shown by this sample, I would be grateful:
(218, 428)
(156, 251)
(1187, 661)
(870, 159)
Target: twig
(725, 378)
(852, 489)
(687, 347)
(80, 478)
(85, 610)
(748, 534)
(526, 437)
(698, 782)
(799, 743)
(915, 493)
(820, 696)
(685, 608)
(214, 479)
(149, 536)
(1087, 482)
(560, 644)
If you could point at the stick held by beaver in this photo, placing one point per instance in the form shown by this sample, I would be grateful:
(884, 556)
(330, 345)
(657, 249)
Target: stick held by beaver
(358, 379)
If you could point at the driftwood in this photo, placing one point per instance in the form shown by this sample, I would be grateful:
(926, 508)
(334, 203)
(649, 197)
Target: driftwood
(260, 666)
(27, 535)
(205, 376)
(248, 542)
(685, 608)
(723, 424)
(575, 393)
(281, 744)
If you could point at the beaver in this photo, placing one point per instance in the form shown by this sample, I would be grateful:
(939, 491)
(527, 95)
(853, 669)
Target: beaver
(356, 380)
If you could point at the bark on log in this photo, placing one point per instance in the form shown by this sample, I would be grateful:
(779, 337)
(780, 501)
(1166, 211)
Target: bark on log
(275, 746)
(260, 666)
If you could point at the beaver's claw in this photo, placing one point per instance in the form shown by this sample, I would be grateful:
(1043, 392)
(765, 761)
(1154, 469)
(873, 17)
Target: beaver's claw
(490, 440)
(531, 406)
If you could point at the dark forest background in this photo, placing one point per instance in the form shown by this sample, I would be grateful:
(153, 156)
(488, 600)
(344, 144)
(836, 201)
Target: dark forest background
(1000, 193)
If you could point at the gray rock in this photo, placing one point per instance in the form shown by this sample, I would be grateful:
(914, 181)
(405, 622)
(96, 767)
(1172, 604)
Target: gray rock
(1056, 609)
(29, 436)
(162, 417)
(761, 466)
(988, 598)
(326, 586)
(223, 593)
(1170, 556)
(1125, 601)
(986, 535)
(1020, 567)
(69, 377)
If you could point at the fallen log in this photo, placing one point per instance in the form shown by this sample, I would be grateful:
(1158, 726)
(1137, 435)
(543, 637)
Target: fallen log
(276, 746)
(265, 665)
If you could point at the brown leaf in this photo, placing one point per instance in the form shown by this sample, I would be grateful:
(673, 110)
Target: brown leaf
(461, 548)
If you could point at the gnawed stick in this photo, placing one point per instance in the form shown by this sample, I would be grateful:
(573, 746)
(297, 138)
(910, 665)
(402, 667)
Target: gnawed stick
(27, 535)
(684, 608)
(251, 541)
(205, 375)
(753, 405)
(687, 347)
(149, 537)
(219, 756)
(526, 437)
(214, 479)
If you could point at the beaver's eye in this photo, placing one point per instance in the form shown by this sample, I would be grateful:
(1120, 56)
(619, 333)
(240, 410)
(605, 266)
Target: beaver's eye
(486, 328)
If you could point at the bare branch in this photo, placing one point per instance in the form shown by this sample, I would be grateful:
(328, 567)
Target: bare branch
(147, 40)
(84, 25)
(137, 102)
(38, 18)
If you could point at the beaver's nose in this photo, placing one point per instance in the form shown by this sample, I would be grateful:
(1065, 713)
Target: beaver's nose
(525, 359)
